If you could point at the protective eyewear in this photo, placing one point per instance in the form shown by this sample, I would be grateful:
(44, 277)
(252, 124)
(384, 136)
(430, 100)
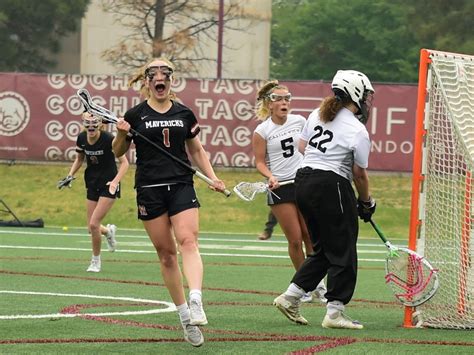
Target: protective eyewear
(275, 97)
(91, 122)
(150, 72)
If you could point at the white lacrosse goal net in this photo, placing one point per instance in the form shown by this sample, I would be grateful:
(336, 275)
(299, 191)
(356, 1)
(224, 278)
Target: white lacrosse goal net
(444, 185)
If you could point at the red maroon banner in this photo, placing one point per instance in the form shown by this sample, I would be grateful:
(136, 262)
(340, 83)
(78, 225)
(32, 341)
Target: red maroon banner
(40, 115)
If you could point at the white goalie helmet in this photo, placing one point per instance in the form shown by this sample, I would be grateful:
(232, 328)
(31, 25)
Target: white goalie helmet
(353, 83)
(357, 86)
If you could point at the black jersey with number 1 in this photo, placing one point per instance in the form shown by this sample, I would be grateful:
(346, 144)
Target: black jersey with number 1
(169, 130)
(101, 166)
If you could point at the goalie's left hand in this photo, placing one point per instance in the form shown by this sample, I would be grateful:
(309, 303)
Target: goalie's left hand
(366, 209)
(67, 181)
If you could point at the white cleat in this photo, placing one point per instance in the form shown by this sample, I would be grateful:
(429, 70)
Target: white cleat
(316, 295)
(110, 236)
(340, 321)
(198, 317)
(94, 266)
(193, 335)
(290, 307)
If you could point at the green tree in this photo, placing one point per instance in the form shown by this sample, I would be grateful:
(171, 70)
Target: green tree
(445, 25)
(30, 31)
(323, 36)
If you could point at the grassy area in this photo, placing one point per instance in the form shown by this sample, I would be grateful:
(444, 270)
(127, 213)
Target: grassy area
(30, 191)
(51, 305)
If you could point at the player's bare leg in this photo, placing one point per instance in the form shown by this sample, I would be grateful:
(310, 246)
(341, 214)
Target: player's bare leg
(96, 212)
(159, 231)
(287, 216)
(185, 227)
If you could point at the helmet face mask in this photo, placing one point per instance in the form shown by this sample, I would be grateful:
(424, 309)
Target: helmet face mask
(365, 107)
(357, 87)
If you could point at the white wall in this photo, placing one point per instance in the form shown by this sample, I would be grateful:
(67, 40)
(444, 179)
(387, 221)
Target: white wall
(245, 54)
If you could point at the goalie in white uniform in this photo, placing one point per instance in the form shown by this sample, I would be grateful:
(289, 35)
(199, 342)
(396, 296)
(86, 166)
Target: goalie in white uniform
(336, 149)
(275, 146)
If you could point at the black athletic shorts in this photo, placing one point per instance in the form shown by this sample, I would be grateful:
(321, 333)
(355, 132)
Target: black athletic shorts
(152, 202)
(286, 193)
(93, 194)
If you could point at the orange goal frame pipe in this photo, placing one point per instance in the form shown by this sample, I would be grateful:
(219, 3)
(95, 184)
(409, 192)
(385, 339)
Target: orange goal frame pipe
(465, 236)
(417, 177)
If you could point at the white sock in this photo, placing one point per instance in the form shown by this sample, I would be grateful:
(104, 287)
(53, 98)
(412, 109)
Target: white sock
(295, 291)
(195, 294)
(183, 312)
(96, 258)
(334, 307)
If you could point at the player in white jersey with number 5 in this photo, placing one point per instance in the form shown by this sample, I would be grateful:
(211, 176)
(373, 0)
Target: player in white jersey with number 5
(336, 149)
(275, 146)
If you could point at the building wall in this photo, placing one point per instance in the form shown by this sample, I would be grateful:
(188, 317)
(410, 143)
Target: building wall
(245, 54)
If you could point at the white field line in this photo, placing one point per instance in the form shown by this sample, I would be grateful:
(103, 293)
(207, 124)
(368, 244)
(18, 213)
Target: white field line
(144, 236)
(226, 240)
(267, 246)
(170, 306)
(202, 253)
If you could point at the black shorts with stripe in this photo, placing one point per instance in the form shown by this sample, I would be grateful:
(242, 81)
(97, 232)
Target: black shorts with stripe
(284, 194)
(154, 201)
(93, 194)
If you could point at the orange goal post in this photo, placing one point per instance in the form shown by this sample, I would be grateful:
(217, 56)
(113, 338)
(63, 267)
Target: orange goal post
(442, 206)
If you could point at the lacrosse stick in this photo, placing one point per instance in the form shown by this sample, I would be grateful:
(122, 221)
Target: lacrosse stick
(248, 190)
(67, 181)
(110, 117)
(411, 277)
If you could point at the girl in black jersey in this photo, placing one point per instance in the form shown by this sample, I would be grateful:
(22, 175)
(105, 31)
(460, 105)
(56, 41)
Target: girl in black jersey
(166, 200)
(102, 182)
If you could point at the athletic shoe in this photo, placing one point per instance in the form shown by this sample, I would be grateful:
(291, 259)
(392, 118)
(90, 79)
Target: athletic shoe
(307, 298)
(198, 317)
(110, 236)
(316, 295)
(264, 235)
(193, 335)
(94, 266)
(340, 321)
(290, 307)
(320, 292)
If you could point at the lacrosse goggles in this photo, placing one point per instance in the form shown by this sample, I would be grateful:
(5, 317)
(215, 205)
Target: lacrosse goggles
(275, 97)
(91, 122)
(165, 70)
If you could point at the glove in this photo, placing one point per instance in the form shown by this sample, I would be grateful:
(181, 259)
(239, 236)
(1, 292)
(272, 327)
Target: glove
(67, 181)
(366, 209)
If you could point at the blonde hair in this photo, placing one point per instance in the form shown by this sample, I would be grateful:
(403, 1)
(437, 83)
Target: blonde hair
(139, 77)
(262, 109)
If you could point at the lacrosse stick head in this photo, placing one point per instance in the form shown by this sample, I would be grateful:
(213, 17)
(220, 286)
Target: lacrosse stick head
(411, 277)
(67, 181)
(248, 190)
(94, 109)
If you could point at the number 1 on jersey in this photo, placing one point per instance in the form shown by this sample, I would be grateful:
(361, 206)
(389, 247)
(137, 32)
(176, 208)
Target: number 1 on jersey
(166, 137)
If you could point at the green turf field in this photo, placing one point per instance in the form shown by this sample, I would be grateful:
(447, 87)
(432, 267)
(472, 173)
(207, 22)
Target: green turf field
(49, 304)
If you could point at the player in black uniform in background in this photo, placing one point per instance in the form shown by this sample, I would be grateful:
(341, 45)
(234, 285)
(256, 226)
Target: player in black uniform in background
(102, 182)
(166, 199)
